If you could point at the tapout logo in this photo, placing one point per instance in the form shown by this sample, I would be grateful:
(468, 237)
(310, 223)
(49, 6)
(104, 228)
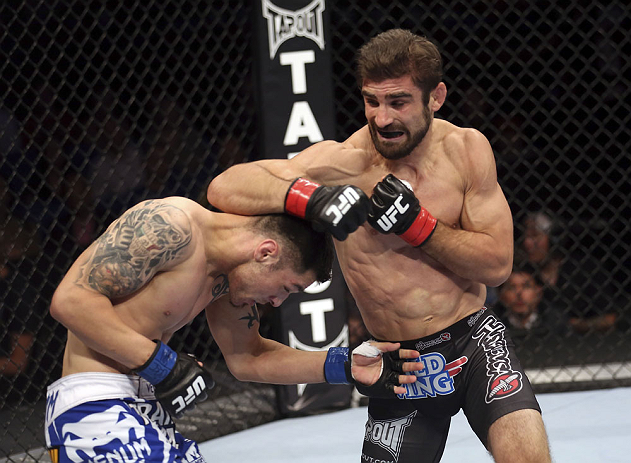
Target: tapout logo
(283, 24)
(388, 434)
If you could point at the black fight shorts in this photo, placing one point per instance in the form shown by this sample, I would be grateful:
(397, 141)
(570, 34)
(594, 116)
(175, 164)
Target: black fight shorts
(470, 365)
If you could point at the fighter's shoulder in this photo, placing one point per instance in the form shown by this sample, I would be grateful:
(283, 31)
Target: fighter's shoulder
(471, 154)
(172, 217)
(463, 143)
(175, 208)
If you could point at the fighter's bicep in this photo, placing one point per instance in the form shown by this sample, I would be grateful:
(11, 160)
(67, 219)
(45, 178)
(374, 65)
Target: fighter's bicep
(331, 163)
(485, 208)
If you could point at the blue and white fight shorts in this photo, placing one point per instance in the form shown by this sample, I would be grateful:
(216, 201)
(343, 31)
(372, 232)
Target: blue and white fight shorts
(103, 417)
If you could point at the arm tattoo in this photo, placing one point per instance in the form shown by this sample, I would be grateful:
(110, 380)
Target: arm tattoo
(135, 247)
(251, 317)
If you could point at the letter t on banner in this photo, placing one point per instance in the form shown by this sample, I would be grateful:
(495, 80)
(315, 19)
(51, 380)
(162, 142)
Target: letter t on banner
(295, 89)
(294, 75)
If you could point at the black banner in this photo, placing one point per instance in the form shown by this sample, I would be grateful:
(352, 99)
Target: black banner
(296, 108)
(294, 75)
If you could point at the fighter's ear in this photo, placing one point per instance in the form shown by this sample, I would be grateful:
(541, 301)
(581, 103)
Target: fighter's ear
(267, 251)
(437, 97)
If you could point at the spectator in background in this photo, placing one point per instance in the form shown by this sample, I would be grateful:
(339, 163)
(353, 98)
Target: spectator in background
(575, 284)
(523, 308)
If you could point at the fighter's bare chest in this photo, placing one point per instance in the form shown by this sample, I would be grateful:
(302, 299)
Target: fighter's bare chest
(173, 300)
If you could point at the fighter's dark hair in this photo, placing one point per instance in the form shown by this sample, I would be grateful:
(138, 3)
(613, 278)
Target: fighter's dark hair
(398, 53)
(307, 248)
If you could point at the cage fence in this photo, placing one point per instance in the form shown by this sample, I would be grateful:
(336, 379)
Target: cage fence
(105, 104)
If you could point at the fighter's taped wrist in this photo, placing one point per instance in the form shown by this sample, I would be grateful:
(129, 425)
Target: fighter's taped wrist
(367, 349)
(421, 229)
(337, 366)
(159, 364)
(298, 196)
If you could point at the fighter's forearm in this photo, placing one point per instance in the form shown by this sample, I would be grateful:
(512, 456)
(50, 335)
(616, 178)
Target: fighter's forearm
(279, 364)
(474, 256)
(95, 323)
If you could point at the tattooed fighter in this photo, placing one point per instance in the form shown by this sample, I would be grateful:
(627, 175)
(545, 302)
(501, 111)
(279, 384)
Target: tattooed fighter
(151, 272)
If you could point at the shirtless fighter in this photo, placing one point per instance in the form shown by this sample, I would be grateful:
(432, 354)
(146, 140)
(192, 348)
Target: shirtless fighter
(152, 271)
(439, 231)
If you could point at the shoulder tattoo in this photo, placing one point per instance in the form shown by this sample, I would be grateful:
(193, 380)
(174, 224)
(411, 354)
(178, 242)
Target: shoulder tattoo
(252, 318)
(135, 247)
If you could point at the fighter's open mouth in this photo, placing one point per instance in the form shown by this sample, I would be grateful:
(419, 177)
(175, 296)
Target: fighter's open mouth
(390, 134)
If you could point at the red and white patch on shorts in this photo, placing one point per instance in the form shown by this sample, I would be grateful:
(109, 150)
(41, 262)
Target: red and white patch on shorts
(505, 385)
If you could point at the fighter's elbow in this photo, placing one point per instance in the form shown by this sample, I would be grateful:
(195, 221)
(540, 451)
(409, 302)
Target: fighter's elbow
(59, 307)
(213, 192)
(496, 279)
(499, 272)
(65, 306)
(237, 367)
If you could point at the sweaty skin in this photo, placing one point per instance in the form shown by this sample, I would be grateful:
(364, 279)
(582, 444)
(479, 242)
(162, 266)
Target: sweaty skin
(402, 292)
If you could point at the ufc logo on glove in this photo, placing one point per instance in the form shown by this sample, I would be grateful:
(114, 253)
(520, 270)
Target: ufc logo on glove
(348, 197)
(340, 209)
(395, 209)
(387, 220)
(192, 392)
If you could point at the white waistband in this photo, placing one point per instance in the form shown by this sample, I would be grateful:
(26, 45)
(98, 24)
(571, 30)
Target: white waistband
(73, 390)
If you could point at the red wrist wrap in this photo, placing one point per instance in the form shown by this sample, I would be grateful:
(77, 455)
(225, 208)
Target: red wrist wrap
(298, 196)
(421, 229)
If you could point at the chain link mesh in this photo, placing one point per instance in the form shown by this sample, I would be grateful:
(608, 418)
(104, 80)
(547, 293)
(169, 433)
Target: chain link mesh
(108, 103)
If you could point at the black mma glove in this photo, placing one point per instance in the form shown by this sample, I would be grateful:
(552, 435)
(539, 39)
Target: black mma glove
(395, 209)
(383, 388)
(179, 380)
(337, 370)
(339, 210)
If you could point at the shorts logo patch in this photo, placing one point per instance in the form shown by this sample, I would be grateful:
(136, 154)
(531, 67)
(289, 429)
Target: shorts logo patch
(505, 385)
(51, 400)
(436, 377)
(474, 318)
(503, 380)
(422, 345)
(388, 434)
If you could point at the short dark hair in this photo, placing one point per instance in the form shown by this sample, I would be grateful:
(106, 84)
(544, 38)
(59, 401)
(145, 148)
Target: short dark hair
(305, 247)
(397, 53)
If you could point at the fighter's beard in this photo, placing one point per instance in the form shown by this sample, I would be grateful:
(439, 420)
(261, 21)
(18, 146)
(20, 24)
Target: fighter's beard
(396, 151)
